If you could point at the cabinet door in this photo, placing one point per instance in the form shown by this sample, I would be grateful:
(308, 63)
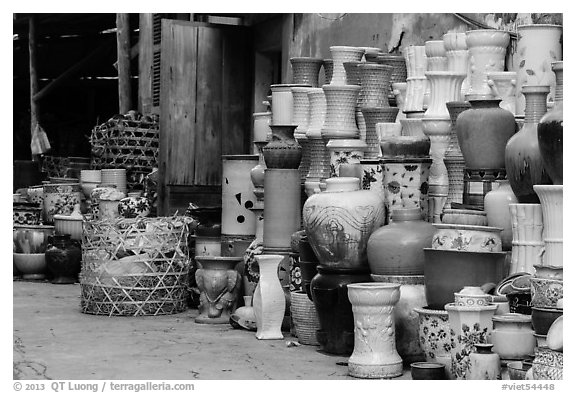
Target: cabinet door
(205, 108)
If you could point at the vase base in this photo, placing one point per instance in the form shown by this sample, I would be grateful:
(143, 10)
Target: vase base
(204, 319)
(375, 371)
(35, 276)
(269, 335)
(64, 280)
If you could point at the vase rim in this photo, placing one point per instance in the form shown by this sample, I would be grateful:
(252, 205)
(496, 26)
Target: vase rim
(261, 114)
(548, 188)
(557, 65)
(347, 48)
(373, 285)
(418, 78)
(512, 317)
(408, 161)
(427, 365)
(536, 26)
(454, 307)
(315, 90)
(535, 89)
(487, 100)
(486, 31)
(342, 87)
(307, 59)
(399, 84)
(24, 226)
(426, 310)
(300, 89)
(468, 227)
(217, 258)
(328, 61)
(286, 85)
(342, 184)
(346, 143)
(64, 217)
(375, 66)
(380, 109)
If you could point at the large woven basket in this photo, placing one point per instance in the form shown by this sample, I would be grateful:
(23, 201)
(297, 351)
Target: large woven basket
(135, 267)
(304, 317)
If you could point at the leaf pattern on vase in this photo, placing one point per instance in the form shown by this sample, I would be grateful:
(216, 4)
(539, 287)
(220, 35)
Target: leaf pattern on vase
(466, 340)
(394, 187)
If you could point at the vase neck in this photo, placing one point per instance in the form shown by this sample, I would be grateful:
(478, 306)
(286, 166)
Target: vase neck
(535, 106)
(559, 93)
(487, 103)
(342, 184)
(406, 214)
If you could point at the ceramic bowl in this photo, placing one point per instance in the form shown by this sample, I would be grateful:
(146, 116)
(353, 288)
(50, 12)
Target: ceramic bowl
(472, 238)
(541, 340)
(464, 217)
(132, 207)
(550, 272)
(517, 370)
(545, 292)
(542, 318)
(32, 266)
(427, 370)
(470, 300)
(31, 239)
(405, 146)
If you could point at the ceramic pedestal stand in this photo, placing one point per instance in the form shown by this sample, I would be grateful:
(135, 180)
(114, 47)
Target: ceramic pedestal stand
(453, 158)
(457, 55)
(269, 301)
(415, 89)
(375, 354)
(551, 197)
(237, 195)
(527, 244)
(319, 155)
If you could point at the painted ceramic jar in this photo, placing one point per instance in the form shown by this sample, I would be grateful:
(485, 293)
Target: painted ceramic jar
(132, 207)
(339, 221)
(238, 195)
(60, 199)
(503, 85)
(340, 55)
(375, 354)
(471, 296)
(63, 259)
(548, 364)
(434, 335)
(31, 239)
(25, 213)
(467, 238)
(549, 272)
(513, 337)
(546, 292)
(436, 55)
(345, 151)
(551, 129)
(372, 177)
(36, 195)
(269, 300)
(305, 70)
(552, 199)
(496, 206)
(484, 364)
(483, 132)
(397, 248)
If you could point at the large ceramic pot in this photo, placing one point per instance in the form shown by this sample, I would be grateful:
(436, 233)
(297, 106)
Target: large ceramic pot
(397, 248)
(375, 82)
(448, 271)
(513, 337)
(483, 132)
(434, 335)
(496, 205)
(524, 165)
(551, 129)
(339, 221)
(31, 239)
(330, 296)
(60, 199)
(375, 354)
(63, 259)
(219, 284)
(471, 238)
(546, 292)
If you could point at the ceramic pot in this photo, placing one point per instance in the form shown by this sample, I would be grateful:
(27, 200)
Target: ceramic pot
(69, 225)
(25, 213)
(345, 151)
(552, 197)
(503, 85)
(63, 259)
(396, 248)
(513, 337)
(548, 364)
(32, 266)
(398, 75)
(405, 318)
(471, 296)
(484, 364)
(330, 296)
(31, 239)
(549, 272)
(340, 120)
(464, 217)
(448, 271)
(486, 51)
(405, 147)
(282, 206)
(60, 199)
(436, 55)
(35, 195)
(372, 177)
(305, 70)
(467, 238)
(282, 151)
(269, 301)
(339, 221)
(352, 73)
(520, 302)
(453, 158)
(527, 244)
(415, 89)
(483, 132)
(372, 116)
(207, 246)
(262, 130)
(283, 103)
(546, 292)
(328, 65)
(468, 326)
(524, 164)
(305, 318)
(434, 335)
(496, 205)
(543, 317)
(517, 371)
(375, 83)
(427, 371)
(219, 284)
(101, 189)
(340, 55)
(406, 184)
(538, 46)
(237, 195)
(133, 207)
(375, 354)
(550, 131)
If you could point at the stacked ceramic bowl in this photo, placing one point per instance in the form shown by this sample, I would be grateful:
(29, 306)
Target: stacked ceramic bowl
(89, 180)
(116, 177)
(547, 291)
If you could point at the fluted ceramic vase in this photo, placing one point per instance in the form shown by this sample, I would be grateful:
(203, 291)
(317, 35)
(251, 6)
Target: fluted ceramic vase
(527, 243)
(551, 198)
(457, 55)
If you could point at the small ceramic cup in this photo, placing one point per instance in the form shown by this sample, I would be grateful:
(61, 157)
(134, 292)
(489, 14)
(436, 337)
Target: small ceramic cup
(427, 371)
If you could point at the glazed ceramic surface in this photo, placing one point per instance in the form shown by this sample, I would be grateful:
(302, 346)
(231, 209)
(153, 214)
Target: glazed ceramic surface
(513, 337)
(552, 197)
(543, 317)
(484, 364)
(372, 177)
(237, 195)
(427, 371)
(340, 55)
(340, 120)
(487, 51)
(262, 122)
(24, 213)
(467, 238)
(548, 364)
(305, 70)
(31, 239)
(375, 83)
(60, 199)
(546, 292)
(282, 202)
(434, 335)
(503, 85)
(345, 151)
(496, 205)
(527, 243)
(283, 103)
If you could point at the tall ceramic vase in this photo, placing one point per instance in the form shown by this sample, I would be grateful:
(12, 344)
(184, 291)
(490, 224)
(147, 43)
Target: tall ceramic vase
(487, 51)
(375, 354)
(281, 206)
(551, 197)
(416, 66)
(457, 55)
(398, 75)
(375, 83)
(340, 55)
(301, 117)
(453, 159)
(305, 70)
(527, 244)
(503, 85)
(372, 116)
(269, 302)
(340, 120)
(537, 47)
(283, 103)
(496, 206)
(319, 155)
(524, 164)
(436, 55)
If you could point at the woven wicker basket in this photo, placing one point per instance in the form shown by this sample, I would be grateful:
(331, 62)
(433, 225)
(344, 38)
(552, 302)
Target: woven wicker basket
(135, 267)
(304, 317)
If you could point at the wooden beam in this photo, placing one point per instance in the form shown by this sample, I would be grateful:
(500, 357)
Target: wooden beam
(124, 49)
(145, 58)
(34, 107)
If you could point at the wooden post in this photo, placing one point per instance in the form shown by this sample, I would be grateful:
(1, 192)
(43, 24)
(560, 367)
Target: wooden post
(124, 83)
(34, 106)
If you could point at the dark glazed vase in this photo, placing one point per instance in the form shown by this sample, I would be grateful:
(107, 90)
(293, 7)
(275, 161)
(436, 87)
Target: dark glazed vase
(283, 150)
(524, 164)
(330, 295)
(64, 259)
(551, 130)
(482, 133)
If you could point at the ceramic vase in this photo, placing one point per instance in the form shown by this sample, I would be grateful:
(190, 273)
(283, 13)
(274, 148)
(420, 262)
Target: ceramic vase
(483, 132)
(281, 206)
(473, 238)
(63, 259)
(134, 207)
(262, 130)
(282, 112)
(116, 176)
(513, 337)
(373, 177)
(434, 336)
(352, 72)
(436, 55)
(283, 150)
(550, 130)
(328, 66)
(26, 213)
(339, 221)
(305, 70)
(468, 326)
(373, 115)
(301, 116)
(319, 155)
(527, 243)
(478, 183)
(412, 127)
(537, 47)
(375, 83)
(496, 206)
(397, 248)
(60, 199)
(551, 197)
(503, 85)
(375, 354)
(457, 55)
(340, 120)
(453, 159)
(484, 364)
(406, 184)
(524, 165)
(69, 225)
(486, 53)
(399, 91)
(31, 239)
(340, 55)
(345, 151)
(398, 75)
(415, 89)
(548, 364)
(416, 60)
(237, 195)
(269, 302)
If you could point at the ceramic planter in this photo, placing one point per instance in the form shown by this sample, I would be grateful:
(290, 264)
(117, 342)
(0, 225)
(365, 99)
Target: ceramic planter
(434, 335)
(467, 238)
(546, 292)
(416, 60)
(31, 239)
(375, 354)
(69, 225)
(63, 259)
(283, 103)
(375, 83)
(304, 317)
(60, 199)
(405, 147)
(548, 364)
(207, 246)
(503, 85)
(116, 176)
(32, 266)
(339, 221)
(340, 120)
(549, 272)
(436, 55)
(552, 198)
(496, 205)
(269, 302)
(102, 189)
(478, 183)
(427, 371)
(543, 317)
(345, 151)
(283, 150)
(301, 117)
(282, 206)
(527, 244)
(372, 177)
(471, 296)
(340, 55)
(238, 195)
(133, 207)
(484, 364)
(513, 337)
(464, 217)
(305, 70)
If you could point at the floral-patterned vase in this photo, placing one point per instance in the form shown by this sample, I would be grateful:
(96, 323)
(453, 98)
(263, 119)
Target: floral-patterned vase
(132, 207)
(434, 335)
(60, 199)
(468, 326)
(373, 177)
(474, 238)
(344, 151)
(25, 213)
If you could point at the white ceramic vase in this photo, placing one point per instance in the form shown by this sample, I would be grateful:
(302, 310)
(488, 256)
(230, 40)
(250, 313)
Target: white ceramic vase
(436, 55)
(269, 302)
(551, 199)
(340, 55)
(503, 85)
(282, 110)
(527, 243)
(345, 151)
(340, 120)
(457, 55)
